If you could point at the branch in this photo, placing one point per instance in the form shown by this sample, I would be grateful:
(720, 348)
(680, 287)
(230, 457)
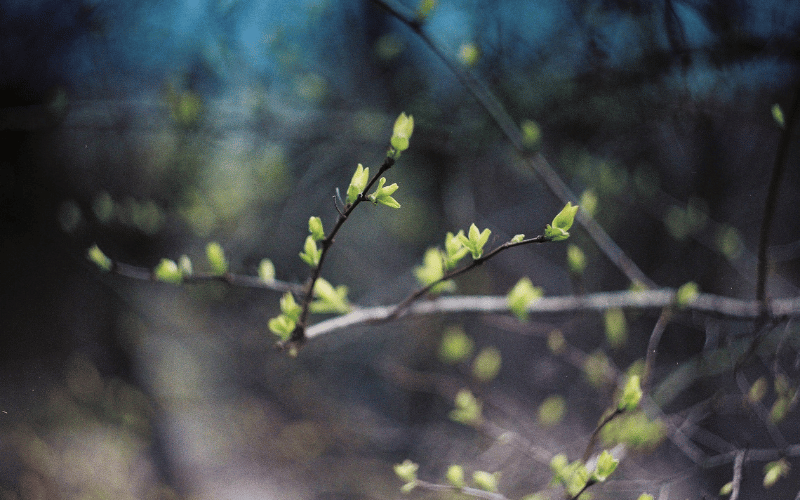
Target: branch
(716, 305)
(538, 163)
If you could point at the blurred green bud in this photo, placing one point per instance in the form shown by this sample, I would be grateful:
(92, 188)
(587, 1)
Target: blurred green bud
(424, 9)
(167, 271)
(531, 135)
(687, 294)
(406, 471)
(552, 411)
(289, 307)
(774, 471)
(777, 115)
(588, 201)
(99, 258)
(467, 410)
(576, 259)
(216, 258)
(455, 476)
(401, 134)
(358, 183)
(556, 342)
(266, 270)
(518, 238)
(645, 496)
(616, 327)
(726, 489)
(469, 54)
(521, 296)
(558, 229)
(456, 345)
(486, 481)
(631, 394)
(329, 299)
(454, 249)
(486, 364)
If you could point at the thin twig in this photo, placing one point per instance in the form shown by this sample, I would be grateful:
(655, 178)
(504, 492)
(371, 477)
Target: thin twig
(737, 474)
(772, 198)
(652, 346)
(538, 163)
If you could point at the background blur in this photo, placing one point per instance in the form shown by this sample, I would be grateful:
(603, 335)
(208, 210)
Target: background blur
(152, 128)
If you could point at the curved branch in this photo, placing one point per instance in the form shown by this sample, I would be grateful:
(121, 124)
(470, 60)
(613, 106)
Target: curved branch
(537, 163)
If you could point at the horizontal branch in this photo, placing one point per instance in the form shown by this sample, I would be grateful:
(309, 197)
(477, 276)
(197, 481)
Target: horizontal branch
(649, 299)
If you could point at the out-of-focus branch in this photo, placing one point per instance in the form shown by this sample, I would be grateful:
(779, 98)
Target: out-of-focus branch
(538, 163)
(715, 305)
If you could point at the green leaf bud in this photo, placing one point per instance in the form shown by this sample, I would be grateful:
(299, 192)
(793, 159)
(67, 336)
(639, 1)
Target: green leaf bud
(606, 465)
(531, 135)
(406, 471)
(558, 229)
(469, 54)
(329, 299)
(726, 489)
(424, 9)
(311, 254)
(454, 250)
(168, 272)
(552, 411)
(774, 471)
(266, 271)
(289, 307)
(401, 134)
(645, 496)
(576, 259)
(486, 481)
(521, 296)
(383, 194)
(486, 364)
(358, 183)
(315, 228)
(456, 345)
(455, 476)
(467, 410)
(476, 240)
(518, 238)
(631, 394)
(777, 115)
(282, 326)
(616, 327)
(687, 294)
(216, 258)
(99, 258)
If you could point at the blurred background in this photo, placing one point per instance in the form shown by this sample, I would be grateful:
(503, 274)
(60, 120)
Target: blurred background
(152, 128)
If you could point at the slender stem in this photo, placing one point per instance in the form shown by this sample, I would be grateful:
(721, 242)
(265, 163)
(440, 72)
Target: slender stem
(299, 334)
(772, 198)
(403, 306)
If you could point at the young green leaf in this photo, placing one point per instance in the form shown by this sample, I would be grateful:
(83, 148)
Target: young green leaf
(401, 134)
(558, 230)
(454, 250)
(432, 270)
(383, 194)
(726, 489)
(311, 254)
(518, 238)
(686, 294)
(606, 465)
(358, 183)
(289, 307)
(521, 296)
(552, 410)
(329, 299)
(476, 240)
(645, 496)
(315, 228)
(424, 9)
(216, 258)
(266, 271)
(168, 272)
(99, 258)
(631, 394)
(531, 135)
(282, 326)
